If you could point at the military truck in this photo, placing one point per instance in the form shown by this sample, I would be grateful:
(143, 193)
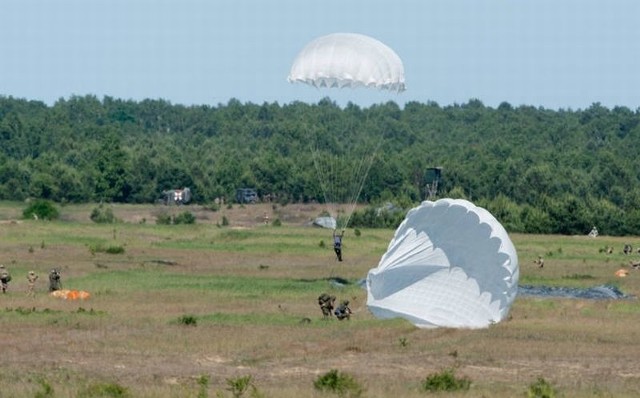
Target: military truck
(176, 196)
(246, 195)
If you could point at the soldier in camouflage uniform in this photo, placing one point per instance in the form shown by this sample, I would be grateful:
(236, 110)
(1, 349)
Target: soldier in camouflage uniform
(343, 311)
(326, 304)
(5, 278)
(54, 280)
(32, 277)
(337, 243)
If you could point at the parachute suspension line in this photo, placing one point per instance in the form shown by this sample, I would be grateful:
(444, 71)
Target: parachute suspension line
(320, 173)
(321, 64)
(324, 169)
(342, 176)
(346, 176)
(365, 164)
(324, 164)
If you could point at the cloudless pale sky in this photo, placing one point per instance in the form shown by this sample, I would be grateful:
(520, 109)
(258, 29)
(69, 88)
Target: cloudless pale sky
(554, 54)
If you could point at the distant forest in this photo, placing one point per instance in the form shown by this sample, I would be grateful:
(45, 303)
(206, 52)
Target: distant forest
(537, 170)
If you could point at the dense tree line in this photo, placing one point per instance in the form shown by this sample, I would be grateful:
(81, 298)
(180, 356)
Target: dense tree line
(537, 170)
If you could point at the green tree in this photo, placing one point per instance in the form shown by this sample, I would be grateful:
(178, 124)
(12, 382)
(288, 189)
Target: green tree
(111, 171)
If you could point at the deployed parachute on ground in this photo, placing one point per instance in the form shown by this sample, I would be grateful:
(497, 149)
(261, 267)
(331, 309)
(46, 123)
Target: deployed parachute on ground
(342, 60)
(68, 294)
(449, 264)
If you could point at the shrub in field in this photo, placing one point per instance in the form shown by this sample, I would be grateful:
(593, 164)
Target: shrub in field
(541, 389)
(46, 390)
(163, 219)
(283, 200)
(240, 385)
(445, 380)
(338, 383)
(376, 218)
(203, 383)
(102, 215)
(114, 250)
(98, 248)
(185, 217)
(188, 320)
(41, 210)
(104, 390)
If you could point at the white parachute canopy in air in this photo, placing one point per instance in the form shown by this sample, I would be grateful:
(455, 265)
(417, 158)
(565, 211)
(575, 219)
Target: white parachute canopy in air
(348, 60)
(337, 61)
(449, 264)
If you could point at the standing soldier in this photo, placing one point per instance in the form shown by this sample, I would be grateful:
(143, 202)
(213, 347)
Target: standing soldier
(31, 280)
(337, 243)
(54, 280)
(5, 278)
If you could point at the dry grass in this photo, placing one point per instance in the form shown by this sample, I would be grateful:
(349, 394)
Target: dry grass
(250, 286)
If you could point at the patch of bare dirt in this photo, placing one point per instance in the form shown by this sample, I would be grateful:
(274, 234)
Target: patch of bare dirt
(249, 215)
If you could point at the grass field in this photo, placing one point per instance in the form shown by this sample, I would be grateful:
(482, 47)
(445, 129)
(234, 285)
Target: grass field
(191, 310)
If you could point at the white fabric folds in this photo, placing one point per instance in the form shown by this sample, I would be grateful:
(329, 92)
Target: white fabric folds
(449, 264)
(348, 60)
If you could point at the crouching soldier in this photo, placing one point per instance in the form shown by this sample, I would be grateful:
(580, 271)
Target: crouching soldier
(343, 311)
(326, 304)
(54, 280)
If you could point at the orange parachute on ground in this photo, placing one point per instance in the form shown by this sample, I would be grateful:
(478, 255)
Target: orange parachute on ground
(67, 294)
(621, 273)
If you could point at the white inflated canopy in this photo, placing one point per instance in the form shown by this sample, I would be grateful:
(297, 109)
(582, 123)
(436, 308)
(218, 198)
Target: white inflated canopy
(348, 60)
(449, 264)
